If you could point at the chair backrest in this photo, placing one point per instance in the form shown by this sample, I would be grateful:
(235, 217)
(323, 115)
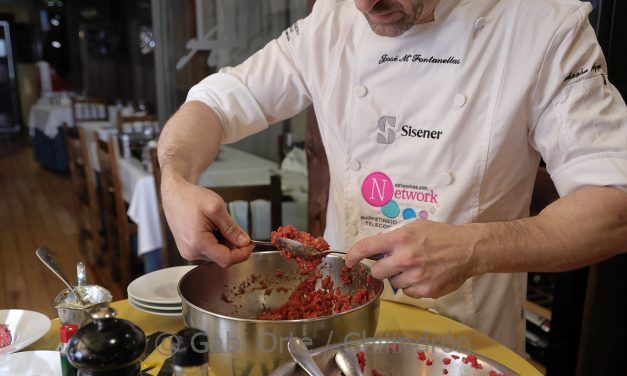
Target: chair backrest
(271, 192)
(81, 171)
(170, 255)
(89, 109)
(85, 191)
(126, 124)
(114, 211)
(544, 192)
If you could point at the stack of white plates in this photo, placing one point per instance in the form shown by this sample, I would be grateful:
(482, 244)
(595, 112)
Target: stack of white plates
(156, 293)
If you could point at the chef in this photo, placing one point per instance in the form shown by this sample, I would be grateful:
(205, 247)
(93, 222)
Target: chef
(435, 110)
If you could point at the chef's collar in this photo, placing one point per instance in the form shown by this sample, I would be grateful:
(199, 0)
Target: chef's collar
(444, 8)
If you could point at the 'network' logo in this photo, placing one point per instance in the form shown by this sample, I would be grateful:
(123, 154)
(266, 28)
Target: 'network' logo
(387, 130)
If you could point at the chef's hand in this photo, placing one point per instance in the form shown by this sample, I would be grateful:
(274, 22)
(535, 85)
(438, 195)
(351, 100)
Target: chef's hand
(426, 259)
(193, 214)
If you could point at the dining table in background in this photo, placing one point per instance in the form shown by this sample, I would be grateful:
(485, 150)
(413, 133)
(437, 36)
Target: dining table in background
(232, 167)
(45, 121)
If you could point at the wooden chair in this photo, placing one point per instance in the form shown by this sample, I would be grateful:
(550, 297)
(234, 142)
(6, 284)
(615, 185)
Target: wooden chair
(170, 255)
(89, 109)
(118, 225)
(86, 194)
(271, 192)
(544, 192)
(125, 123)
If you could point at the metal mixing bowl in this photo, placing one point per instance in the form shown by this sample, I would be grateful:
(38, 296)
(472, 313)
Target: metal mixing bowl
(238, 343)
(398, 358)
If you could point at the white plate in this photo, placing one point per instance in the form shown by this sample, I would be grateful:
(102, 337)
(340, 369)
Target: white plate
(159, 286)
(154, 311)
(31, 363)
(26, 327)
(156, 307)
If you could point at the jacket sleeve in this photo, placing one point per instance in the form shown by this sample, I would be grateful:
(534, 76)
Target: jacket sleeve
(581, 119)
(267, 88)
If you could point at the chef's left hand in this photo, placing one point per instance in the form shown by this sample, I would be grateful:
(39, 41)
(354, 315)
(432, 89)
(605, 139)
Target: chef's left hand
(426, 259)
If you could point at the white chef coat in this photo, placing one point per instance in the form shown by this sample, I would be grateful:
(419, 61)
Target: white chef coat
(447, 122)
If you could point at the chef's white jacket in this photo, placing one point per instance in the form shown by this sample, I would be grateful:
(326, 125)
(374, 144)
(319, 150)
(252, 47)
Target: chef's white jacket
(447, 122)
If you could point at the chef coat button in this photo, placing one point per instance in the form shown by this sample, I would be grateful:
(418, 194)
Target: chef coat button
(355, 165)
(352, 230)
(479, 23)
(446, 178)
(460, 100)
(360, 91)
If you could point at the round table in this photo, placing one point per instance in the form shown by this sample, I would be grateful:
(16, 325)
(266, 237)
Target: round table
(395, 321)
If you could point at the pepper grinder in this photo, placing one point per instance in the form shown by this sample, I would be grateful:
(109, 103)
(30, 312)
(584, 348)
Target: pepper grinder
(107, 346)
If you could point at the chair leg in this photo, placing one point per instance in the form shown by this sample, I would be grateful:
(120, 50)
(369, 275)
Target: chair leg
(125, 260)
(114, 257)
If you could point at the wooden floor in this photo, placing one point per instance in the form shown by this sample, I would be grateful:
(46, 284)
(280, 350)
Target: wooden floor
(36, 209)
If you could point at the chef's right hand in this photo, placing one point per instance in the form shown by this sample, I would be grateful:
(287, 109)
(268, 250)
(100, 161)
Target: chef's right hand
(193, 214)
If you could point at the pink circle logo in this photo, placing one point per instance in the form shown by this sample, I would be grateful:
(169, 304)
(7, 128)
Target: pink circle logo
(377, 189)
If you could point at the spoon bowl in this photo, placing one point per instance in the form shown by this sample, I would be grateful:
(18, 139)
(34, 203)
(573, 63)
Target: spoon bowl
(302, 357)
(347, 362)
(308, 252)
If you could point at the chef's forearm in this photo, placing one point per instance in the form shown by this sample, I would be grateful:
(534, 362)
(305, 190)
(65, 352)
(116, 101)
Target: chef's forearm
(585, 227)
(189, 142)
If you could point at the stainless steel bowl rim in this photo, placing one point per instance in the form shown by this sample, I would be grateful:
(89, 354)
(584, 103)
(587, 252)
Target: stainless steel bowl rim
(385, 341)
(374, 300)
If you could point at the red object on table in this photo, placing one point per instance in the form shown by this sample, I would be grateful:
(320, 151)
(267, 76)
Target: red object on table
(5, 336)
(67, 331)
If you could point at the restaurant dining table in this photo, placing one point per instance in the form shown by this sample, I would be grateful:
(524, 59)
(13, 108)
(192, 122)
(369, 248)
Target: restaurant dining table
(396, 321)
(45, 121)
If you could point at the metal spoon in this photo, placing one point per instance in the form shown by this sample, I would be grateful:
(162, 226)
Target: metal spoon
(302, 357)
(347, 361)
(222, 240)
(308, 252)
(44, 255)
(81, 273)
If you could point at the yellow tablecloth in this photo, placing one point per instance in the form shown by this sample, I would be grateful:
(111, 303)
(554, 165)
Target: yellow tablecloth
(395, 321)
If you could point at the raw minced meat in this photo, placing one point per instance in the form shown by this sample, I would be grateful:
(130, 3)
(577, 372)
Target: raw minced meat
(5, 336)
(307, 300)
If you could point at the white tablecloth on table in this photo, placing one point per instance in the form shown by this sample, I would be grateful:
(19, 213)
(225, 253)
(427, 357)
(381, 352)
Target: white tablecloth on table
(49, 117)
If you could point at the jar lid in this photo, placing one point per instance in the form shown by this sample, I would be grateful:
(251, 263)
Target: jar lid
(106, 344)
(190, 348)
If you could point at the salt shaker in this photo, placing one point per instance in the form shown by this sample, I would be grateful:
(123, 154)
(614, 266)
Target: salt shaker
(190, 353)
(126, 145)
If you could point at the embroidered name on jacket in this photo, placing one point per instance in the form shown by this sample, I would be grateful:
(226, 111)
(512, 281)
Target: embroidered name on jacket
(292, 31)
(418, 58)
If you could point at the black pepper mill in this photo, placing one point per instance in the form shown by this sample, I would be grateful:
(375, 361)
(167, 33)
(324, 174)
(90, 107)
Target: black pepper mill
(107, 346)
